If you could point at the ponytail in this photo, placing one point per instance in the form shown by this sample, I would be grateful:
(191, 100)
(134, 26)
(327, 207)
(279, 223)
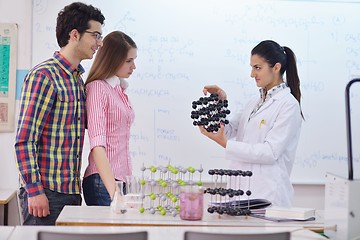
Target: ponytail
(292, 77)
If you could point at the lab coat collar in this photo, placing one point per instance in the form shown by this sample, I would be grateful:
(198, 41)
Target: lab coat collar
(282, 93)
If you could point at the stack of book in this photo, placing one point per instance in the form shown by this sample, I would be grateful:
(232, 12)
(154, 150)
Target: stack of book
(281, 214)
(243, 204)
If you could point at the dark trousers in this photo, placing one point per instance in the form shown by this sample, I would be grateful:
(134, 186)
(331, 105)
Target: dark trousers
(94, 190)
(57, 201)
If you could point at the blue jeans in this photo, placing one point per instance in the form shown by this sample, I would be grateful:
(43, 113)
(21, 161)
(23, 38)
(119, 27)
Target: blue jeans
(94, 190)
(57, 201)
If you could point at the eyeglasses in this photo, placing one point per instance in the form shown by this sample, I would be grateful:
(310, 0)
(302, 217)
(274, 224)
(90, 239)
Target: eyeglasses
(96, 34)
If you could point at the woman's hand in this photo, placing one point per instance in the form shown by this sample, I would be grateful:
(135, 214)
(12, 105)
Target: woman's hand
(214, 89)
(219, 136)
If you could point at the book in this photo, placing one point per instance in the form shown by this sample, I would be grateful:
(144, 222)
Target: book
(293, 213)
(242, 204)
(276, 219)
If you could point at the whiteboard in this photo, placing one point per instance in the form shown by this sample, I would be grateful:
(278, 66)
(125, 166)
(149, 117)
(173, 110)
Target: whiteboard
(185, 44)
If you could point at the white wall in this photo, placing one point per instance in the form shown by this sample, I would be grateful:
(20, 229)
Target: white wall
(19, 11)
(15, 11)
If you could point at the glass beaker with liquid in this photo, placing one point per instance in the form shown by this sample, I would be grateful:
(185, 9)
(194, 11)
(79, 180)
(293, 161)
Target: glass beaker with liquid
(118, 204)
(191, 202)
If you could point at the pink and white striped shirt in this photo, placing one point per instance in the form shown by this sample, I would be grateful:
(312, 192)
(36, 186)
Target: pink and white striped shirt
(110, 115)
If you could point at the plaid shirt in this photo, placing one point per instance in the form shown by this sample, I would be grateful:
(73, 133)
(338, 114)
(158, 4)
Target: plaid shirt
(51, 127)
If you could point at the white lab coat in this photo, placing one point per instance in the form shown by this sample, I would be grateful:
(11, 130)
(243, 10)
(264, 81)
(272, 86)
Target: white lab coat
(266, 145)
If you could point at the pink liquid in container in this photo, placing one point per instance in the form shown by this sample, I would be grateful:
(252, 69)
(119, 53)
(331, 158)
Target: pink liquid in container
(191, 202)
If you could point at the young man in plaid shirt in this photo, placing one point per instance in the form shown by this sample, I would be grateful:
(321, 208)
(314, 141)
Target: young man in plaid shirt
(52, 119)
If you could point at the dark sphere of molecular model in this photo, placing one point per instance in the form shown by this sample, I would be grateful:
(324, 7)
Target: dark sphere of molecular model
(230, 198)
(210, 112)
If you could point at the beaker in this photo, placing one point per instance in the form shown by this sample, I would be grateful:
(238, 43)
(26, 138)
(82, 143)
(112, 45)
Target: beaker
(191, 202)
(118, 204)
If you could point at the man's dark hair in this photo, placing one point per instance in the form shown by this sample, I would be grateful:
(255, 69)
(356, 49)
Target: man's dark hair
(75, 16)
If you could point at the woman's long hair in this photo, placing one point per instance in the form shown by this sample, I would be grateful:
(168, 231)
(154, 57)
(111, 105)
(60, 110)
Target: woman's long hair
(110, 56)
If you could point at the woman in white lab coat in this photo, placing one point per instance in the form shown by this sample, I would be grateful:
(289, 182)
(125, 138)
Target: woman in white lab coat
(263, 137)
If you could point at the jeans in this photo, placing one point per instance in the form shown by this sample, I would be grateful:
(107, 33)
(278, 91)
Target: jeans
(95, 192)
(57, 201)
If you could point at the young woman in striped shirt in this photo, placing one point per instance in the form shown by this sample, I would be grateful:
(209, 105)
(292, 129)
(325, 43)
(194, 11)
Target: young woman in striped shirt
(110, 115)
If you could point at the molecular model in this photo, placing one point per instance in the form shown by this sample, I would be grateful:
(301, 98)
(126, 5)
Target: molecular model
(230, 201)
(210, 112)
(160, 191)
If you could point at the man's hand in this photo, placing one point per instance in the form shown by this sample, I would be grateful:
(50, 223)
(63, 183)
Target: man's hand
(39, 205)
